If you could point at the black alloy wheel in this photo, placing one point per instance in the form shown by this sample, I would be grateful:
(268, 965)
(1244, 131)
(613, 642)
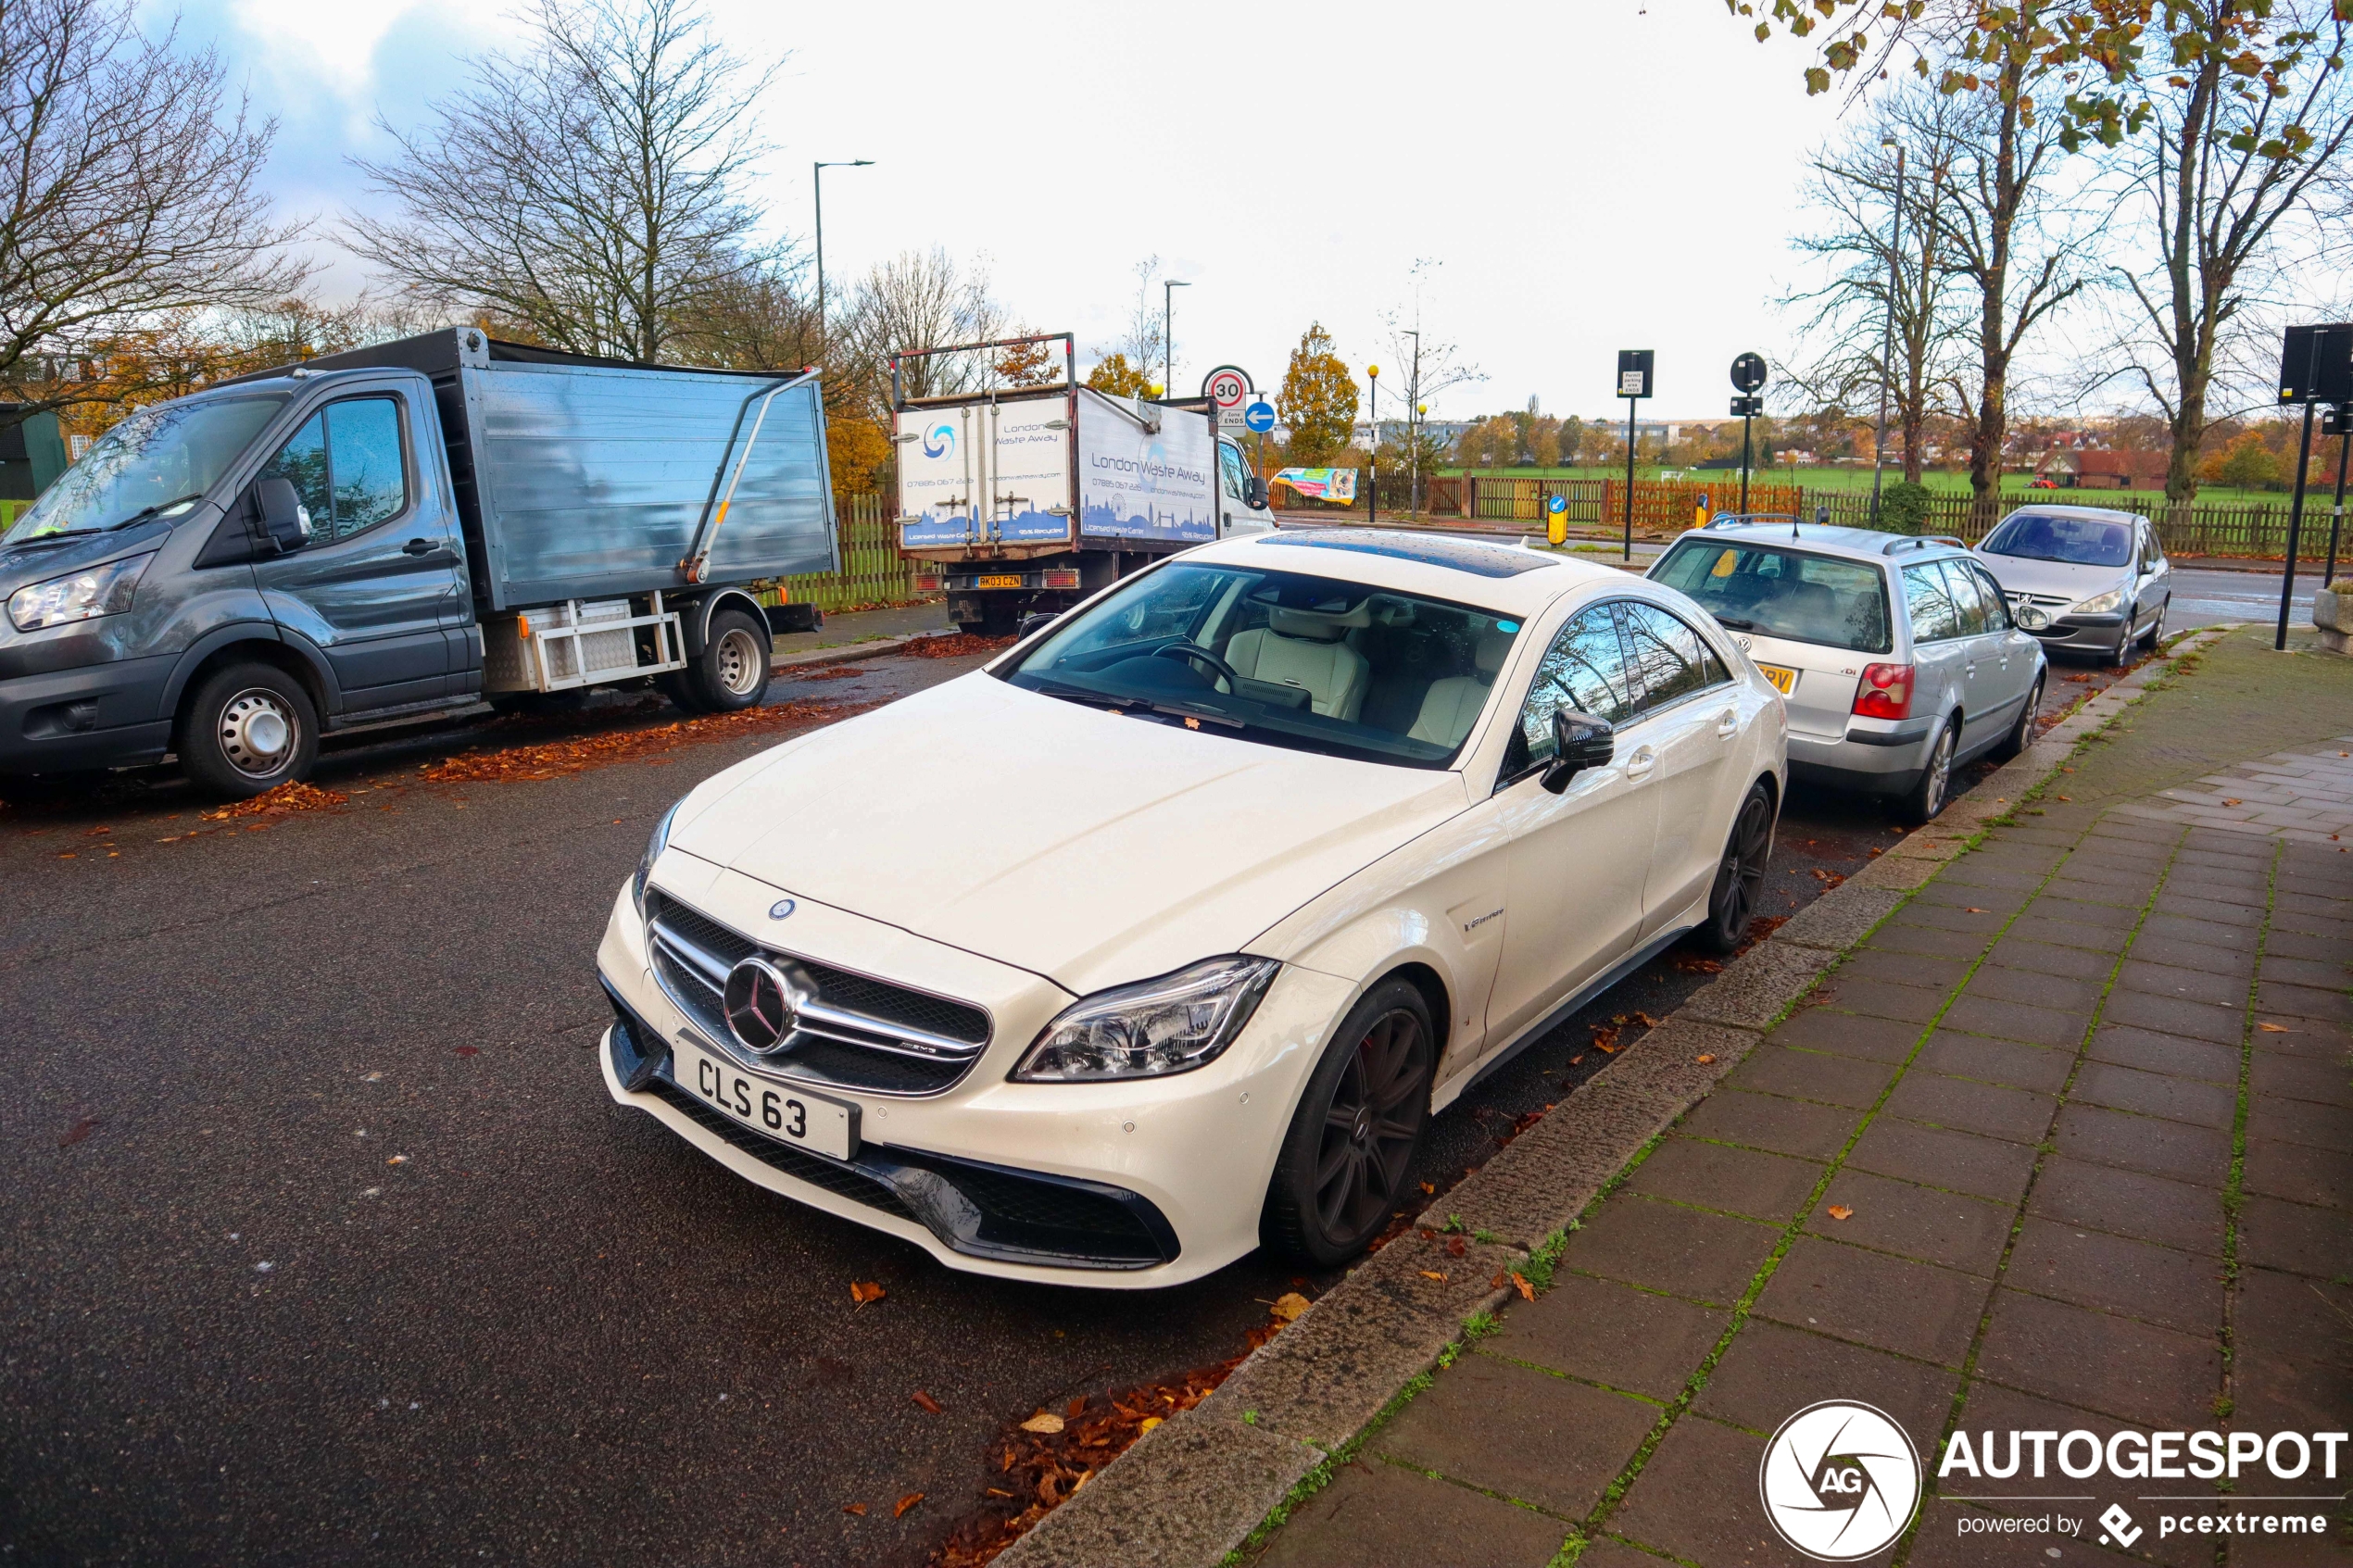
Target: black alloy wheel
(1342, 1173)
(1740, 880)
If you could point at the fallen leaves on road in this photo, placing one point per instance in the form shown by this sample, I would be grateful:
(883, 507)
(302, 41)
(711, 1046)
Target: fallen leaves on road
(287, 797)
(1287, 1307)
(857, 1508)
(1519, 1282)
(863, 1291)
(1044, 1421)
(1972, 909)
(1841, 1211)
(826, 673)
(1605, 1038)
(899, 1510)
(1691, 964)
(557, 758)
(928, 1403)
(964, 645)
(2226, 802)
(78, 1132)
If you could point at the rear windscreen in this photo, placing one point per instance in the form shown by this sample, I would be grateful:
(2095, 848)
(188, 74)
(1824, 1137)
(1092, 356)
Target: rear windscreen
(1782, 593)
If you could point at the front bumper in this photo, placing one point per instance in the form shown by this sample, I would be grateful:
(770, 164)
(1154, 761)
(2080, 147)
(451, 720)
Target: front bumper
(1122, 1185)
(2089, 633)
(98, 715)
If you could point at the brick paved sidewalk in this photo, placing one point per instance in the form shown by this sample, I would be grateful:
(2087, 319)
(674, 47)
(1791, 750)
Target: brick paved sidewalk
(2084, 1104)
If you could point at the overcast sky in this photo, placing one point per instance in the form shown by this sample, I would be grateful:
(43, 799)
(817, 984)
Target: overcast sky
(1587, 177)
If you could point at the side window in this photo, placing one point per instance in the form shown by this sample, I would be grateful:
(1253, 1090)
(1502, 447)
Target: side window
(1933, 617)
(303, 459)
(1229, 468)
(1998, 604)
(1585, 668)
(1671, 661)
(346, 465)
(363, 454)
(1967, 603)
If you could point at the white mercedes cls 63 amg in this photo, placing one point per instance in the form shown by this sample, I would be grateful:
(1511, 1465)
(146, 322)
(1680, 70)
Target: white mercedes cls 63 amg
(1163, 936)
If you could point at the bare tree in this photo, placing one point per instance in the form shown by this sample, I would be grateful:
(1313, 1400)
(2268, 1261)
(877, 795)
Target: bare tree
(1145, 341)
(755, 317)
(2237, 152)
(1427, 367)
(1853, 187)
(131, 196)
(586, 189)
(919, 300)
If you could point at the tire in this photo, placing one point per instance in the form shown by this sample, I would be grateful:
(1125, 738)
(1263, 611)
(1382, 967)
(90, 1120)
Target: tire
(1359, 1124)
(1740, 878)
(2157, 626)
(997, 619)
(2021, 735)
(732, 671)
(246, 730)
(2124, 640)
(680, 691)
(1925, 799)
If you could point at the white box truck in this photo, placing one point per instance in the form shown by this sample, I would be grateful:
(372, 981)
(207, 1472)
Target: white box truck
(1029, 498)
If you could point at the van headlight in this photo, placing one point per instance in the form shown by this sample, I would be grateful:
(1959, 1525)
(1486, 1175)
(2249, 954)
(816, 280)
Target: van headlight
(654, 847)
(1172, 1024)
(2100, 604)
(84, 595)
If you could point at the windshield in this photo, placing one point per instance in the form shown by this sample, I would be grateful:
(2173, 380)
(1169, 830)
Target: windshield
(163, 457)
(1788, 594)
(1312, 663)
(2072, 541)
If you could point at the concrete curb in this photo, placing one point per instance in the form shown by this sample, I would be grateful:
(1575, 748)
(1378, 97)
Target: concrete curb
(852, 652)
(1195, 1488)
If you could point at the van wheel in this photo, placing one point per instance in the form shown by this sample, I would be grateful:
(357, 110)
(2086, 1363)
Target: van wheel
(2021, 735)
(1341, 1175)
(680, 691)
(1927, 797)
(732, 671)
(1740, 880)
(248, 729)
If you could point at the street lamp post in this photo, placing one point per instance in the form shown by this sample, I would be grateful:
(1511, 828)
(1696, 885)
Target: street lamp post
(1169, 332)
(817, 181)
(1887, 340)
(1414, 428)
(1372, 469)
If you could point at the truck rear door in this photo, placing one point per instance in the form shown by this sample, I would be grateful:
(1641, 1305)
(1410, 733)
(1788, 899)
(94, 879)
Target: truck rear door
(382, 574)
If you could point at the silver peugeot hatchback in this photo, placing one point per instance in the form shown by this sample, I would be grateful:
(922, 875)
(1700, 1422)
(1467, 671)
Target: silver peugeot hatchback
(1896, 655)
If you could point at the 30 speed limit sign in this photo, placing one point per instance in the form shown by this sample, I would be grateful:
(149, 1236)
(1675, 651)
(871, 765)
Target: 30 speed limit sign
(1227, 389)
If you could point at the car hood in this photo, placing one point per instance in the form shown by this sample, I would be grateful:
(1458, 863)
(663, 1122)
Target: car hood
(2018, 575)
(1088, 848)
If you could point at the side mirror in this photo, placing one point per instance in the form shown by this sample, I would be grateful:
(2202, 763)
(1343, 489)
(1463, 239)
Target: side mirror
(1579, 741)
(1036, 621)
(283, 520)
(1255, 493)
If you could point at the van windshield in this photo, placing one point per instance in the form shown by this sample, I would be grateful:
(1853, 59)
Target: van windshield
(2070, 541)
(1282, 658)
(1783, 593)
(158, 462)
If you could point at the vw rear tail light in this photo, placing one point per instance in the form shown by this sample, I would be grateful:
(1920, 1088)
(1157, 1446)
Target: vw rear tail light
(1884, 691)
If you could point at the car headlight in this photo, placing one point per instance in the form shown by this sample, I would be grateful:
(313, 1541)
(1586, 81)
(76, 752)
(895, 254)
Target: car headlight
(2100, 604)
(654, 847)
(85, 596)
(1172, 1024)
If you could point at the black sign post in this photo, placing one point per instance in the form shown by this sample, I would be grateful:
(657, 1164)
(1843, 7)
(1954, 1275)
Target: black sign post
(1633, 385)
(2316, 365)
(1748, 377)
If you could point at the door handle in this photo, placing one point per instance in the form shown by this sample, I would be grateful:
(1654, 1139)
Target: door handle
(1638, 765)
(419, 548)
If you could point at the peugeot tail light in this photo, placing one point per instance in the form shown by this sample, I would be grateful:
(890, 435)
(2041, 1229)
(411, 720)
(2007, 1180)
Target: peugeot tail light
(1884, 691)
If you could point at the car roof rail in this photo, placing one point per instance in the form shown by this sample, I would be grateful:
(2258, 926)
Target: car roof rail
(1738, 520)
(1921, 541)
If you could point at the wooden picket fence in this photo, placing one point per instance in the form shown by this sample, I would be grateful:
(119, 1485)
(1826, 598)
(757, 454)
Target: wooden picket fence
(873, 571)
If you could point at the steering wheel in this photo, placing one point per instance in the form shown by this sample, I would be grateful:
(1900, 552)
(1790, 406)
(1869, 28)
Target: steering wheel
(1200, 654)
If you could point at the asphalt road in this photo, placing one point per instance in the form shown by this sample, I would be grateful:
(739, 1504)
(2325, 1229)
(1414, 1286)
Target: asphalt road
(326, 1245)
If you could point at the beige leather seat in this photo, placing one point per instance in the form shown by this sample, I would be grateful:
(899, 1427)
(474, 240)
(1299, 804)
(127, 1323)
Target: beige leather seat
(1452, 705)
(1307, 648)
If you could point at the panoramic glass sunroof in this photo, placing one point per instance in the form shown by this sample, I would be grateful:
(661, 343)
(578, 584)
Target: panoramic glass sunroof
(1462, 555)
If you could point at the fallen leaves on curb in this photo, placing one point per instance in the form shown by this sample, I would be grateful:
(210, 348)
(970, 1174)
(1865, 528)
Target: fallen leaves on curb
(863, 1291)
(1433, 1273)
(1519, 1282)
(2275, 1029)
(1705, 1060)
(287, 797)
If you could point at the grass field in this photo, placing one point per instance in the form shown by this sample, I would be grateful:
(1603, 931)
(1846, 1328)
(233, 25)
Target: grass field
(1947, 483)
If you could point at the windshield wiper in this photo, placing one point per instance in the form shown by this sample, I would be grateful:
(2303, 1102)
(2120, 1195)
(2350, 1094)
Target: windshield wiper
(143, 513)
(1045, 687)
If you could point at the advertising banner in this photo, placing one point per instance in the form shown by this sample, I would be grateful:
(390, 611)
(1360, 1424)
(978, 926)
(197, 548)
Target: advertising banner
(1321, 485)
(1137, 483)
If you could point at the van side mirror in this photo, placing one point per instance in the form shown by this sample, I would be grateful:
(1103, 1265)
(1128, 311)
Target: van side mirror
(1579, 741)
(1255, 493)
(283, 519)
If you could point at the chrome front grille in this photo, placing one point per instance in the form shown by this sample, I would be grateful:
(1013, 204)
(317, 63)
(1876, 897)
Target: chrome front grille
(852, 1031)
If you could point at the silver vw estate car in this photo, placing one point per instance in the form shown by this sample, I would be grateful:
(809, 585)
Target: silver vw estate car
(1896, 655)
